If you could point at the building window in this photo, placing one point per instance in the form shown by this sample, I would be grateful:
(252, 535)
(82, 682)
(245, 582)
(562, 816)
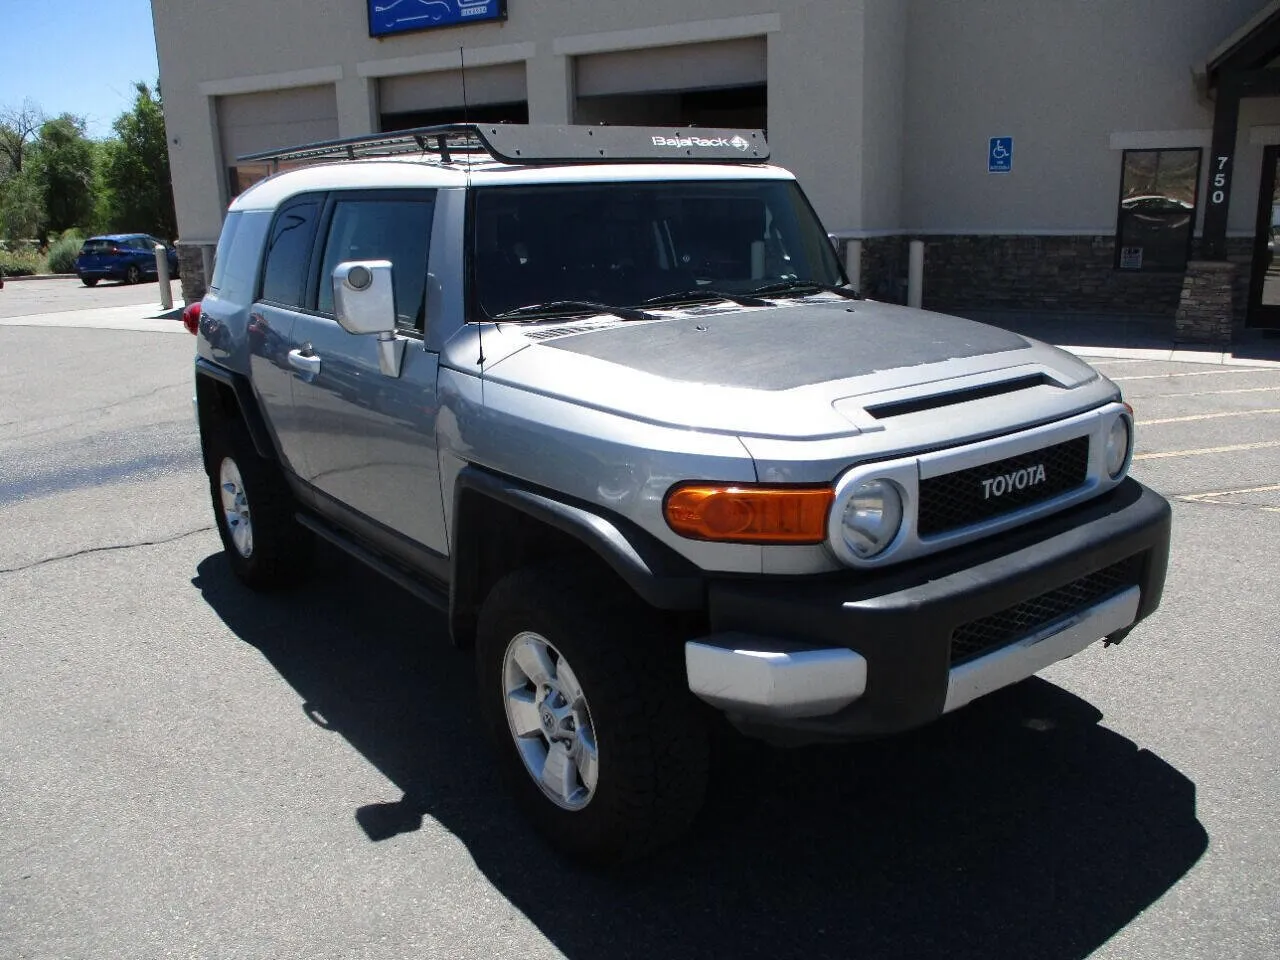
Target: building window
(1157, 209)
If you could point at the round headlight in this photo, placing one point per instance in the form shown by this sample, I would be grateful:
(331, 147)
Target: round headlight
(1118, 439)
(872, 517)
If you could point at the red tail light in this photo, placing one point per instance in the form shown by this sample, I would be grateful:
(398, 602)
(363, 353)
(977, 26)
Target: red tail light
(191, 318)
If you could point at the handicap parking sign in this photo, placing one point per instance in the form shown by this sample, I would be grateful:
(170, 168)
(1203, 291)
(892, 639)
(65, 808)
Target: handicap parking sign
(1000, 155)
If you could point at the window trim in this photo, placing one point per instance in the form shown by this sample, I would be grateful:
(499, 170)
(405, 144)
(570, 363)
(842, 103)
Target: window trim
(1195, 209)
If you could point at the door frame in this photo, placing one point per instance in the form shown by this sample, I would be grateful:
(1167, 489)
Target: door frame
(1260, 315)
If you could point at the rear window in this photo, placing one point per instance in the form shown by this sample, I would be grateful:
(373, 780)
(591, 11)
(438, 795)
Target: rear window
(236, 261)
(96, 246)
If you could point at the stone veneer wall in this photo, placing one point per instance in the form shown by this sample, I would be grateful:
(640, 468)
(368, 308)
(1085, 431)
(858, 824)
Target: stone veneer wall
(1047, 273)
(191, 264)
(884, 269)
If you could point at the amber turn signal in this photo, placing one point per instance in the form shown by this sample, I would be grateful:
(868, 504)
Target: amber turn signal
(749, 513)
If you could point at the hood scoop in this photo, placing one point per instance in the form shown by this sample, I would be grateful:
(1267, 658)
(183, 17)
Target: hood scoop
(898, 408)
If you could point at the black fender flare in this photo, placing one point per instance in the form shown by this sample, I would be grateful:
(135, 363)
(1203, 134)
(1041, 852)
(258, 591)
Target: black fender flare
(655, 572)
(242, 390)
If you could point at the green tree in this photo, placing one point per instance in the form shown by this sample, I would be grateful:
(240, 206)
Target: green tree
(21, 207)
(63, 161)
(135, 169)
(18, 129)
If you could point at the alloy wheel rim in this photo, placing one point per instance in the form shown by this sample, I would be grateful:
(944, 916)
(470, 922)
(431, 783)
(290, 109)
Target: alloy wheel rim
(550, 721)
(235, 507)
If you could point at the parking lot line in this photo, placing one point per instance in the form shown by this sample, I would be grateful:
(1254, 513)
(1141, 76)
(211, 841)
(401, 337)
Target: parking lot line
(1164, 454)
(1208, 393)
(1208, 416)
(1194, 373)
(1214, 494)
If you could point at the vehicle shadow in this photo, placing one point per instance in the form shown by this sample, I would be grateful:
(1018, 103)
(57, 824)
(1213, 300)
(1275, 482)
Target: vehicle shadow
(1019, 827)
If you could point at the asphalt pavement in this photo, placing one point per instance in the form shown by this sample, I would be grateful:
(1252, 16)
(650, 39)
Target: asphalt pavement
(192, 770)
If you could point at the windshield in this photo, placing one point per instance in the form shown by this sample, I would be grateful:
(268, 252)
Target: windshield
(627, 244)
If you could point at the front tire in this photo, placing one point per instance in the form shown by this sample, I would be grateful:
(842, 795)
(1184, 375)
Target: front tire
(585, 696)
(254, 511)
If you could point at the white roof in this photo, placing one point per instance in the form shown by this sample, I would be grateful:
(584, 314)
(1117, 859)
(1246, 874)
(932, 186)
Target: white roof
(408, 173)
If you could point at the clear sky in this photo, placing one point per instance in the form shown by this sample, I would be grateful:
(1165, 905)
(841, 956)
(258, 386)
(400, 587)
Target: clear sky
(76, 56)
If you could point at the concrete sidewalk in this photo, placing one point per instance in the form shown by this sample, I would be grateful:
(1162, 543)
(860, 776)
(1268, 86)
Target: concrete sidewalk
(1131, 337)
(147, 317)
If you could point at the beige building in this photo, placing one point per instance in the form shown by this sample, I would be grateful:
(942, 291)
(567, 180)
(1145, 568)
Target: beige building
(1052, 154)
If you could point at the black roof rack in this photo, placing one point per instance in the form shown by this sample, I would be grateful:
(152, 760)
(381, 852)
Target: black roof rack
(534, 144)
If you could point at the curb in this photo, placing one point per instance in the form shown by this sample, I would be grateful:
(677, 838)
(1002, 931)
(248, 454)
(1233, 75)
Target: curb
(42, 276)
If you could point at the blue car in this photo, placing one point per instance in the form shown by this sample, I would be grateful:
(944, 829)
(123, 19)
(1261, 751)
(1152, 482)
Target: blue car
(127, 257)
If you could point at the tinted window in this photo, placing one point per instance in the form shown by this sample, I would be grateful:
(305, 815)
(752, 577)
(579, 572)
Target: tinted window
(398, 230)
(1157, 209)
(288, 250)
(96, 246)
(622, 244)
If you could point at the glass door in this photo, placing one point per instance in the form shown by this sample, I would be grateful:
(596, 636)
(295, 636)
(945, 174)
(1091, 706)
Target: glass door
(1264, 286)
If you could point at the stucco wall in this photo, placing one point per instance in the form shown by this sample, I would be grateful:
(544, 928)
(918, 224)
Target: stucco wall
(1061, 77)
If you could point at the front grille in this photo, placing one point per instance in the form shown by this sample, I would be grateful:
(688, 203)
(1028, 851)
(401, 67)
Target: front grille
(970, 496)
(977, 637)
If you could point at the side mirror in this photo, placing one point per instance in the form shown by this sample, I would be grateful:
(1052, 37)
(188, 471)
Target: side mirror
(364, 299)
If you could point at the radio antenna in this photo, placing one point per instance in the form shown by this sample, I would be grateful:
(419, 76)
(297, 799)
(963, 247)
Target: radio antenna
(463, 62)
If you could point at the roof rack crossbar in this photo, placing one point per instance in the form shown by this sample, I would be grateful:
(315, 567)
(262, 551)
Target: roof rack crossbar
(536, 144)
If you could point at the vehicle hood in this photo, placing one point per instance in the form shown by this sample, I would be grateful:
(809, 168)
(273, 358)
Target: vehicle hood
(800, 369)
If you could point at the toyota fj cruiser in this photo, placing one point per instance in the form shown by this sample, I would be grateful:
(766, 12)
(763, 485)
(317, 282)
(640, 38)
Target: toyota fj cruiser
(605, 396)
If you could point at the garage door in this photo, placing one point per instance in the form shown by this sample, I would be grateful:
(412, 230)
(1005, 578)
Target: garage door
(693, 66)
(254, 122)
(419, 92)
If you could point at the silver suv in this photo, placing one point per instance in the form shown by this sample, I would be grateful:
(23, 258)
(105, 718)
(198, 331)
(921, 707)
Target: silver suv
(605, 396)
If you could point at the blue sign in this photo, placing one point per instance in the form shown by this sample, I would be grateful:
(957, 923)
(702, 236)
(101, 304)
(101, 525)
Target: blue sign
(1000, 155)
(401, 16)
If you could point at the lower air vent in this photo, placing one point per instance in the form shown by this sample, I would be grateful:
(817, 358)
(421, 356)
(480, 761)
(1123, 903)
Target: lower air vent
(998, 630)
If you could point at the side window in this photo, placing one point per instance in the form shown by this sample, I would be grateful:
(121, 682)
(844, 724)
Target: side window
(398, 230)
(288, 249)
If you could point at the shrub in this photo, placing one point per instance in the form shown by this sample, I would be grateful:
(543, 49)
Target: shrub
(62, 253)
(19, 263)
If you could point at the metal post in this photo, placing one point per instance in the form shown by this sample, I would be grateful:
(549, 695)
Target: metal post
(162, 275)
(915, 274)
(853, 263)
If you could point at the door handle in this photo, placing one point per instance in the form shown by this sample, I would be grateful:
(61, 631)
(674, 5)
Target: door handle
(305, 362)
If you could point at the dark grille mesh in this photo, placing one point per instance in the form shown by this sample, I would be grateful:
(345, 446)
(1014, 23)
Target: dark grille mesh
(960, 499)
(999, 629)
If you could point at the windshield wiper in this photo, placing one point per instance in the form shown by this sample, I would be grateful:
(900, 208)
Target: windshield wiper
(569, 308)
(704, 295)
(797, 286)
